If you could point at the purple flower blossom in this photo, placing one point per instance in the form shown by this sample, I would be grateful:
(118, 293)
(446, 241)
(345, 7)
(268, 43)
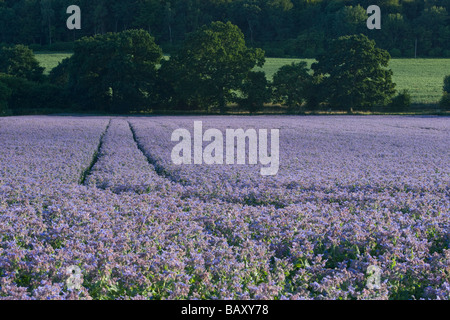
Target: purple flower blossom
(352, 192)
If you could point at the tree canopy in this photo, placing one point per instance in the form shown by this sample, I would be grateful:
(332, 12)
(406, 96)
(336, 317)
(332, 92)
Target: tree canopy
(291, 83)
(116, 71)
(445, 101)
(447, 84)
(125, 72)
(212, 65)
(355, 73)
(280, 27)
(256, 91)
(5, 93)
(19, 61)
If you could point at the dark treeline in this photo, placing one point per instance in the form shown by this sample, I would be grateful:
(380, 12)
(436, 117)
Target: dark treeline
(280, 27)
(213, 71)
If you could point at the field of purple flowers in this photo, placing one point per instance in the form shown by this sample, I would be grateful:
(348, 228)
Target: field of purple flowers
(102, 194)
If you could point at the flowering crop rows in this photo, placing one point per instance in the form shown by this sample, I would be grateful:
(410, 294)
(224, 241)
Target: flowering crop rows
(50, 150)
(317, 154)
(122, 166)
(351, 192)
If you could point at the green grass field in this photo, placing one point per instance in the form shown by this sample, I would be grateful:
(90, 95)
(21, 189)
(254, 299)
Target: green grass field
(422, 77)
(49, 60)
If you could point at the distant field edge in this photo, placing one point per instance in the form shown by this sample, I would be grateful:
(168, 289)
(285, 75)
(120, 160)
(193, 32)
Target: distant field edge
(278, 114)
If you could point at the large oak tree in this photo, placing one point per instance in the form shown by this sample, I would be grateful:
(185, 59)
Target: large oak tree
(115, 72)
(355, 74)
(212, 65)
(19, 61)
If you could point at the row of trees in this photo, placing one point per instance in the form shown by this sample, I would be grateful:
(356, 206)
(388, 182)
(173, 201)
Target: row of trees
(281, 27)
(126, 72)
(213, 71)
(445, 101)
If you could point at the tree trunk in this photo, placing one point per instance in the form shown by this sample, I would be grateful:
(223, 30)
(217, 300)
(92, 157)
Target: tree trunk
(222, 103)
(170, 33)
(49, 31)
(251, 31)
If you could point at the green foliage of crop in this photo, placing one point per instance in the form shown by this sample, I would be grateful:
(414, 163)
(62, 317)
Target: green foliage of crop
(423, 78)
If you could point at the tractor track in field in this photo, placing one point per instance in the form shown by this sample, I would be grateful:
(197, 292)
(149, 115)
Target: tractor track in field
(165, 174)
(95, 157)
(160, 170)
